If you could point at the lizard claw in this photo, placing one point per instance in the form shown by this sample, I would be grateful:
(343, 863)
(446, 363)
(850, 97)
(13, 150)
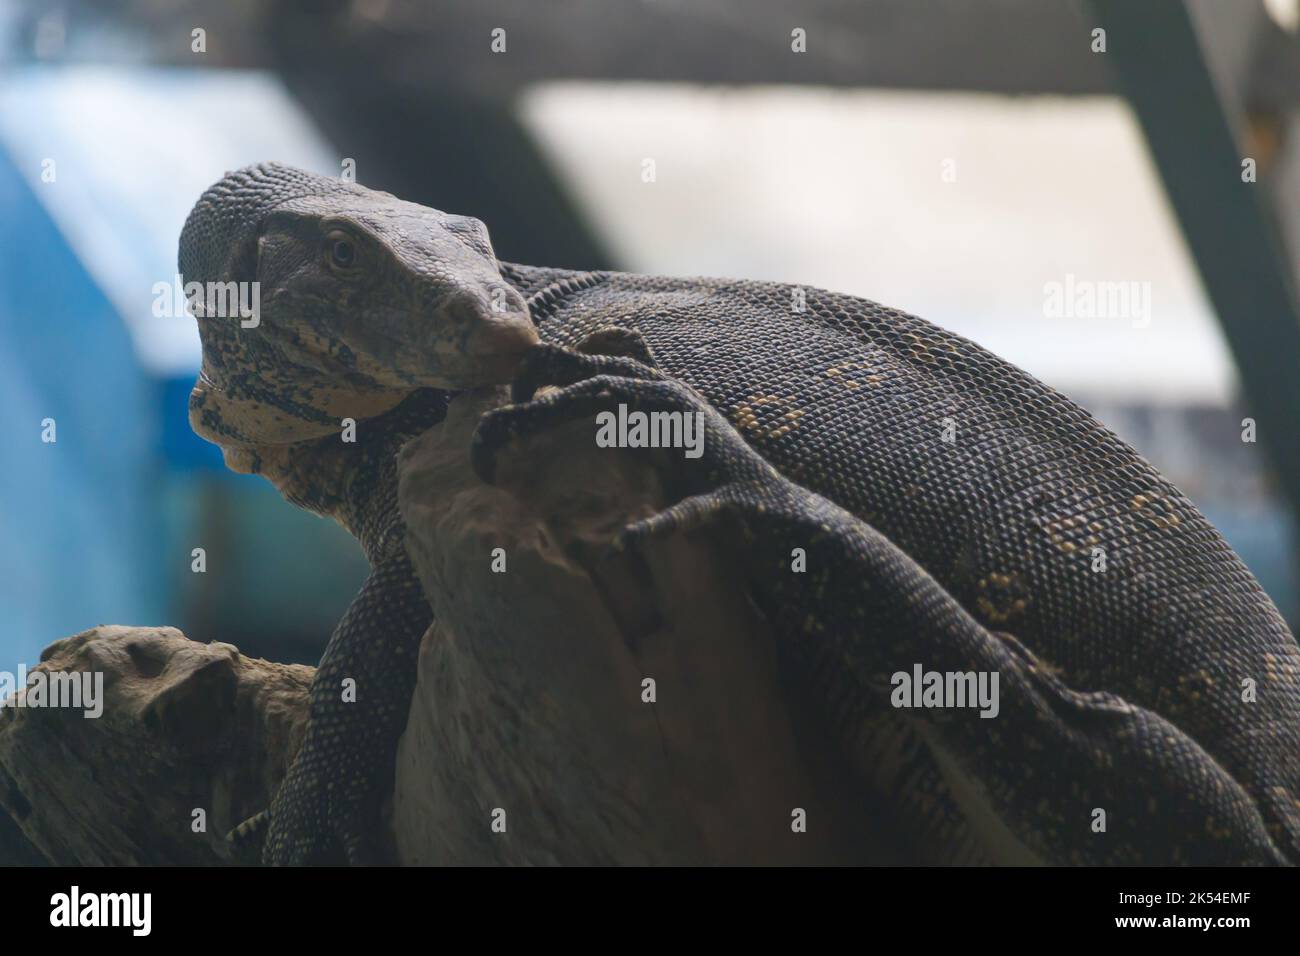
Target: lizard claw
(607, 351)
(500, 426)
(726, 473)
(689, 514)
(721, 446)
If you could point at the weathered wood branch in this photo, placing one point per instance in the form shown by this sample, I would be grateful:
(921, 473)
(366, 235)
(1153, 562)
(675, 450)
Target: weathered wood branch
(533, 706)
(185, 727)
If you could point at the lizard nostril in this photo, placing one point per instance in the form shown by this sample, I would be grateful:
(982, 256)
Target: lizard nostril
(464, 308)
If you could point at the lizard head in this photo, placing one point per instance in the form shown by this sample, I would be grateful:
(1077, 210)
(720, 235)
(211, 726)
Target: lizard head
(360, 299)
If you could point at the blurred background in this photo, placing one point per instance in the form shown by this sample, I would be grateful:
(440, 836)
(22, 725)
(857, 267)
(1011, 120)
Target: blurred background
(978, 162)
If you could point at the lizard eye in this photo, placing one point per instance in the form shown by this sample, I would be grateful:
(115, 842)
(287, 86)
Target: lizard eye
(342, 250)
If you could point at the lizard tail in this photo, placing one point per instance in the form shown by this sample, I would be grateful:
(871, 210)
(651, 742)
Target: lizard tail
(246, 839)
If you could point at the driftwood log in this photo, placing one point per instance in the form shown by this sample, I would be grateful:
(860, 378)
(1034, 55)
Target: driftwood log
(193, 737)
(576, 707)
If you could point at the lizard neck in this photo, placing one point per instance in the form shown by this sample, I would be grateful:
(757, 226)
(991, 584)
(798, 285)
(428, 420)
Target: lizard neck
(355, 482)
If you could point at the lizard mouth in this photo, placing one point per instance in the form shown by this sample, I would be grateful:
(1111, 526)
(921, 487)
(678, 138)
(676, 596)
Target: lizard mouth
(513, 335)
(494, 349)
(493, 368)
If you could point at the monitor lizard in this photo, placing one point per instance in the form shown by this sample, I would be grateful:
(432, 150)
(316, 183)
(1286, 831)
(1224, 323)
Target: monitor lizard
(955, 513)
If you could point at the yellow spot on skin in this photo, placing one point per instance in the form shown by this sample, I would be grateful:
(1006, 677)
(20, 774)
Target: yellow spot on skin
(837, 373)
(999, 602)
(746, 417)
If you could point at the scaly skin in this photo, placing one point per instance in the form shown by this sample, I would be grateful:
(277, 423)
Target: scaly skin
(951, 507)
(876, 612)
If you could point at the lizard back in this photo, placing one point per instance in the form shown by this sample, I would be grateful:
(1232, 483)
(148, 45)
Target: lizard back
(1002, 489)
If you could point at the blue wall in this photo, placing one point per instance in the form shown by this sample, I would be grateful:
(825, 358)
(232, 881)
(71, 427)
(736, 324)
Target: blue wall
(76, 522)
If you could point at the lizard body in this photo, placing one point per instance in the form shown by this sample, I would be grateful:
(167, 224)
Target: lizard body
(907, 460)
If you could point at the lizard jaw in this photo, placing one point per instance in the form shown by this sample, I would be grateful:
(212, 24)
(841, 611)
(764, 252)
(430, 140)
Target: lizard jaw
(484, 348)
(476, 373)
(495, 348)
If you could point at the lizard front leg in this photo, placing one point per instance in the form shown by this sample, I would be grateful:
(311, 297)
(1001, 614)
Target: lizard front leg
(611, 350)
(863, 612)
(326, 810)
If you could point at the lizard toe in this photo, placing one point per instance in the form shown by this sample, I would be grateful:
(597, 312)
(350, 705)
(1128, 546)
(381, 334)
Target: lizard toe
(608, 351)
(689, 514)
(584, 398)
